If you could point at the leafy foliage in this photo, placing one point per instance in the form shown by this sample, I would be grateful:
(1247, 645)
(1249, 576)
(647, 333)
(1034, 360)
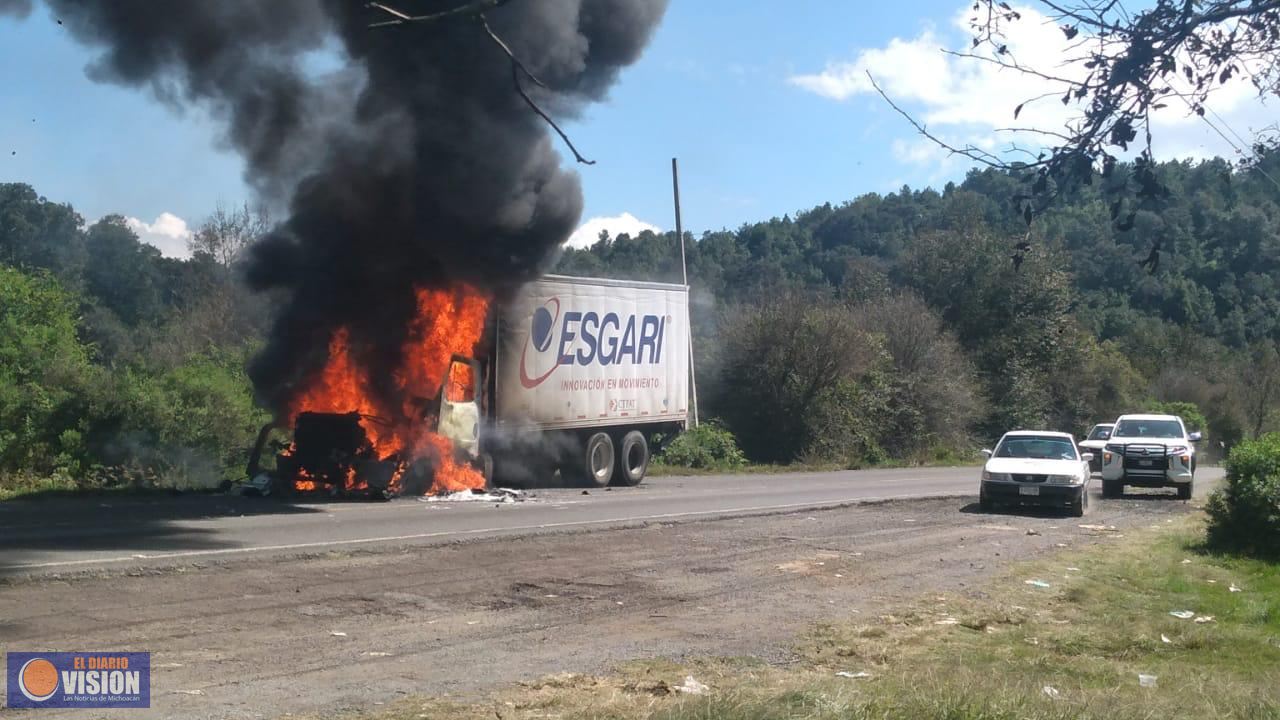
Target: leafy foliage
(705, 447)
(1245, 514)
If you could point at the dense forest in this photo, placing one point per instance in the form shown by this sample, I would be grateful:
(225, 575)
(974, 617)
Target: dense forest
(902, 327)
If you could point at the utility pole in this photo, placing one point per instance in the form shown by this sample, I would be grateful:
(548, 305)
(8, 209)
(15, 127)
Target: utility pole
(684, 273)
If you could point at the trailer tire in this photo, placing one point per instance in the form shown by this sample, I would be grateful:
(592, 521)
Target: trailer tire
(633, 459)
(595, 463)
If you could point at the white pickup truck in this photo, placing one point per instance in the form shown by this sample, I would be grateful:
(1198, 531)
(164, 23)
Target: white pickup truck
(1149, 451)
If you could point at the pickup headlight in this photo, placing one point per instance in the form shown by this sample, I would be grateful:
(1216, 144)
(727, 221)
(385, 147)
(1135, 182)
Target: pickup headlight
(1177, 449)
(995, 477)
(1064, 480)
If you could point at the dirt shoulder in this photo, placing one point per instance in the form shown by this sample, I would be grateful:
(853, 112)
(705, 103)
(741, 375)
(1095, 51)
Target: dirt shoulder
(261, 638)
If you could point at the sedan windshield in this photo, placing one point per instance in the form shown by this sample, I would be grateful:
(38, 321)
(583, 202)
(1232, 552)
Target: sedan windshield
(1149, 429)
(1037, 448)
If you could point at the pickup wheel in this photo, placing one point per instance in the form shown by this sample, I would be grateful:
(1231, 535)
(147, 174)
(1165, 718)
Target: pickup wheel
(1185, 490)
(633, 459)
(595, 461)
(1112, 488)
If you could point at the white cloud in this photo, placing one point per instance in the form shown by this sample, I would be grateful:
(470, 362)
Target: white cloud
(169, 233)
(589, 232)
(966, 101)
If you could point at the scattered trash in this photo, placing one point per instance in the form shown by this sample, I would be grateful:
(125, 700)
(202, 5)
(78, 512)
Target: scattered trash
(1183, 614)
(1061, 545)
(473, 622)
(550, 595)
(498, 495)
(378, 654)
(1038, 583)
(1032, 531)
(853, 676)
(1213, 582)
(1165, 639)
(259, 486)
(692, 687)
(1051, 691)
(947, 621)
(337, 633)
(1073, 569)
(167, 665)
(839, 575)
(1204, 619)
(189, 692)
(1033, 641)
(1099, 528)
(1233, 588)
(1146, 681)
(1186, 561)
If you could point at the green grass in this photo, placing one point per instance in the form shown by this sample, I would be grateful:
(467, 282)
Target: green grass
(1088, 637)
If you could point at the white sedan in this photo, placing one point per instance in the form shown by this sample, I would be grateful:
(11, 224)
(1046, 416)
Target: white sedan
(1039, 467)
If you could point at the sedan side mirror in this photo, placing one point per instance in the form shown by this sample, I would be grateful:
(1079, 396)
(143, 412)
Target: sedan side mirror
(986, 453)
(1195, 437)
(1087, 457)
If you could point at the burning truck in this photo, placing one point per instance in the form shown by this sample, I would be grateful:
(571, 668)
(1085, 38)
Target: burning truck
(572, 375)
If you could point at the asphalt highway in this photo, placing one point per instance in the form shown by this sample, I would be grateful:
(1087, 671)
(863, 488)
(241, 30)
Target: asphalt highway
(87, 534)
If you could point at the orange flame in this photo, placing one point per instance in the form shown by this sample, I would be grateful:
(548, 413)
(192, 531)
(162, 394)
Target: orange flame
(447, 322)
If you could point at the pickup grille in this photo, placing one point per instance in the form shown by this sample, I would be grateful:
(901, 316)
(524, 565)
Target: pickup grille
(1022, 478)
(1146, 458)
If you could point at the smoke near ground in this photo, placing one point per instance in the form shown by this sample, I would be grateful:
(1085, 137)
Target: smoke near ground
(418, 164)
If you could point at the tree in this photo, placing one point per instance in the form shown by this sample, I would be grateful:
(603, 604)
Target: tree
(1125, 64)
(228, 231)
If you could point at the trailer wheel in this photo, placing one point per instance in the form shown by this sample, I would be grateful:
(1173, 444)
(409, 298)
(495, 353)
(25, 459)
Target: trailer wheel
(596, 461)
(633, 459)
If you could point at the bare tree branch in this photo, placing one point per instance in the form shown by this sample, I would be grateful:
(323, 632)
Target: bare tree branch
(471, 9)
(517, 69)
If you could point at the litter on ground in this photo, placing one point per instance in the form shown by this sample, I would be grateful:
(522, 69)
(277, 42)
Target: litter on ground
(1233, 588)
(853, 676)
(338, 633)
(1183, 614)
(947, 621)
(1037, 583)
(1051, 691)
(499, 495)
(1204, 619)
(692, 687)
(1146, 681)
(1165, 639)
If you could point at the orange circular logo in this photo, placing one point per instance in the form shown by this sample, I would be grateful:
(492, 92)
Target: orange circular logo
(38, 679)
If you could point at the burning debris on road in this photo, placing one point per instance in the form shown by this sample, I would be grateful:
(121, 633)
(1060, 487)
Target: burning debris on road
(421, 182)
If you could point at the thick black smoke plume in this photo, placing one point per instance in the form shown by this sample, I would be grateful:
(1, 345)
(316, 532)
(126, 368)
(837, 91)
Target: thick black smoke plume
(419, 164)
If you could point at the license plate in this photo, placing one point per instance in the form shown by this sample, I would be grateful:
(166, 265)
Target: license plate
(1147, 463)
(1028, 490)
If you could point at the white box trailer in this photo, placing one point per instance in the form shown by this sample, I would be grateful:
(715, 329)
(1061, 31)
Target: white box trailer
(582, 374)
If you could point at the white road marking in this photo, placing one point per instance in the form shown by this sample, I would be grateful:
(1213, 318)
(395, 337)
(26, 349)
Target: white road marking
(474, 531)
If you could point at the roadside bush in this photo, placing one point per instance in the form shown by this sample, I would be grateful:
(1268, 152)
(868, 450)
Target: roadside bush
(706, 447)
(1244, 515)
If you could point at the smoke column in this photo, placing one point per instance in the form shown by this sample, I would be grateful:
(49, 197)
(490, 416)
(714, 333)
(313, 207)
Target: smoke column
(417, 164)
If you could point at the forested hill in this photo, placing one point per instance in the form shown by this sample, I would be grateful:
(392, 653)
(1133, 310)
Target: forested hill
(1219, 270)
(893, 327)
(1075, 332)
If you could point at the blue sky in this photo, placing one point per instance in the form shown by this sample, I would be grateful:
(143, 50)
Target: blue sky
(765, 104)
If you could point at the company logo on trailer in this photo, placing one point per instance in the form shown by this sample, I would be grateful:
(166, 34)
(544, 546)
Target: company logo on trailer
(588, 338)
(79, 680)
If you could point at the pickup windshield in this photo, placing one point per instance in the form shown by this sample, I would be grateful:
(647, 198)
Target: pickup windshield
(1170, 429)
(1100, 432)
(1037, 448)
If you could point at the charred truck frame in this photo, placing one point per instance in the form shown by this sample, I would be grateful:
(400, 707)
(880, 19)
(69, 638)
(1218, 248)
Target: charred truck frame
(575, 375)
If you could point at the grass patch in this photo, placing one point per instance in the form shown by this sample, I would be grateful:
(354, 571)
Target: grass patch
(1088, 637)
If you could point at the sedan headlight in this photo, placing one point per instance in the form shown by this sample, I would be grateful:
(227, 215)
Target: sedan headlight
(1064, 480)
(995, 477)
